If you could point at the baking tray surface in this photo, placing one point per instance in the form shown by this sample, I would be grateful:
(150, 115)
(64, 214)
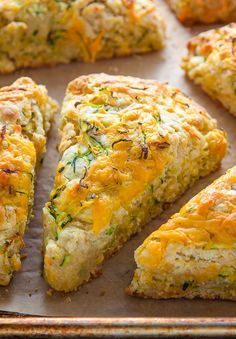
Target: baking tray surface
(104, 296)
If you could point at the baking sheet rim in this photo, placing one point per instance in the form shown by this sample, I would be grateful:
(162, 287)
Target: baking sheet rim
(112, 327)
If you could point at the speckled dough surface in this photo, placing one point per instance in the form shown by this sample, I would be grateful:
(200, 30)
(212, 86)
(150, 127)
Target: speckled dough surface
(51, 31)
(129, 147)
(194, 253)
(105, 296)
(211, 63)
(26, 112)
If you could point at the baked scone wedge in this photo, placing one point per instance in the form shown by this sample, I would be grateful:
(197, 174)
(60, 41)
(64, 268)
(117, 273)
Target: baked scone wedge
(194, 253)
(129, 147)
(190, 12)
(211, 63)
(51, 31)
(26, 112)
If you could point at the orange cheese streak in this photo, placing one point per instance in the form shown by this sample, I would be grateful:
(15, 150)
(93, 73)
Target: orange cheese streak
(209, 218)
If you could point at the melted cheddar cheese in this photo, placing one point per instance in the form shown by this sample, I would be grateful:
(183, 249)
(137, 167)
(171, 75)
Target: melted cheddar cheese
(25, 116)
(193, 254)
(211, 63)
(129, 146)
(206, 220)
(51, 31)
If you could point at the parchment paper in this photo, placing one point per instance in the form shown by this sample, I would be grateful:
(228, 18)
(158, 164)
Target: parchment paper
(105, 295)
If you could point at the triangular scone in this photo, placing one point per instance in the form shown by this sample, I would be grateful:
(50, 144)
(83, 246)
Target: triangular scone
(211, 63)
(59, 31)
(26, 112)
(194, 253)
(129, 147)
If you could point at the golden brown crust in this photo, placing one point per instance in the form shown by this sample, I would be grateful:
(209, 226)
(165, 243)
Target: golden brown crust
(126, 151)
(211, 63)
(25, 116)
(193, 254)
(76, 30)
(190, 12)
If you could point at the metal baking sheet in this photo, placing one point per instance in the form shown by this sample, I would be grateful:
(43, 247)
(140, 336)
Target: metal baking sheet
(36, 327)
(105, 296)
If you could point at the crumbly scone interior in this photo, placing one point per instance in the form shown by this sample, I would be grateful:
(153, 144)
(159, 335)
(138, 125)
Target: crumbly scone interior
(189, 272)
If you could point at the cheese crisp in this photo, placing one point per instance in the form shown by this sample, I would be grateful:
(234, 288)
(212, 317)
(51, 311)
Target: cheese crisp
(211, 63)
(129, 147)
(25, 115)
(194, 253)
(35, 32)
(204, 11)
